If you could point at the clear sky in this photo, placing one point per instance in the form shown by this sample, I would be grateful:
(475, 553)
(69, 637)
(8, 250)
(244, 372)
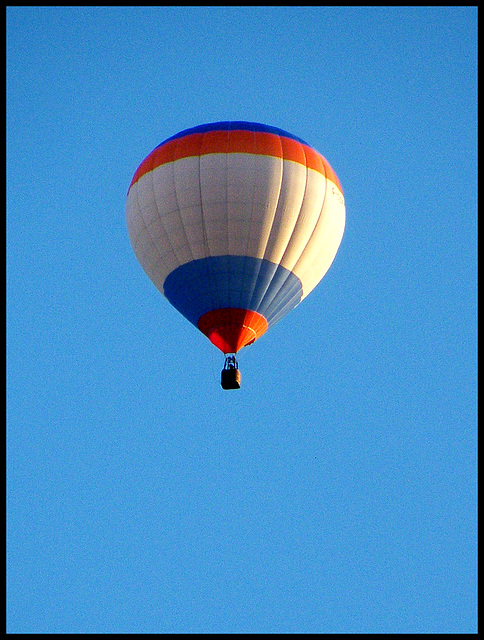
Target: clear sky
(335, 492)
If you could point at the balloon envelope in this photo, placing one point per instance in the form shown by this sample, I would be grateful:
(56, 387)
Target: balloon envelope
(235, 223)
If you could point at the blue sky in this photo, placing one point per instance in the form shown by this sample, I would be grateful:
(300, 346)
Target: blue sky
(336, 491)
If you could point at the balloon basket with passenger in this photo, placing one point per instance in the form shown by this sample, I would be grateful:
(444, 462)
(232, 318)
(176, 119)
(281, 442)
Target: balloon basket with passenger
(231, 375)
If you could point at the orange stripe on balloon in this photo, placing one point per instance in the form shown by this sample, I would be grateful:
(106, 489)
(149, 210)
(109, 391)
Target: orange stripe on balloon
(330, 174)
(187, 146)
(268, 144)
(293, 150)
(242, 141)
(236, 141)
(214, 142)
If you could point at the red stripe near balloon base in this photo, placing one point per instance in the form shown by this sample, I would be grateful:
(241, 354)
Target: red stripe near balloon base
(231, 329)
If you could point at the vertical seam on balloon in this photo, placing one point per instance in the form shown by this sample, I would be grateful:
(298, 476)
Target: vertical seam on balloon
(310, 268)
(152, 173)
(283, 302)
(278, 199)
(254, 173)
(300, 209)
(249, 225)
(269, 234)
(204, 229)
(150, 235)
(163, 226)
(283, 282)
(316, 224)
(286, 299)
(178, 201)
(313, 230)
(313, 262)
(227, 207)
(249, 301)
(280, 305)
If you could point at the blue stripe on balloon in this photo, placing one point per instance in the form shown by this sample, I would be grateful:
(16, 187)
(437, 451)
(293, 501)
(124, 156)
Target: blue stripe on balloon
(238, 282)
(231, 126)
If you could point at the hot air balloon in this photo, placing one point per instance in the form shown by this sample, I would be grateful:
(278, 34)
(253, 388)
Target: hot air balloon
(235, 223)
